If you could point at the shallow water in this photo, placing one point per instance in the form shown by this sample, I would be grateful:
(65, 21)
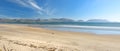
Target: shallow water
(78, 28)
(90, 27)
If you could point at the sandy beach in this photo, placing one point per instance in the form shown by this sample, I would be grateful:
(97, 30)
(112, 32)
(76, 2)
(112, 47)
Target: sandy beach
(25, 38)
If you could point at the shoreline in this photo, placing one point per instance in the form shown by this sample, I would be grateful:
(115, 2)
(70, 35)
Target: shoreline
(78, 28)
(27, 25)
(91, 30)
(38, 39)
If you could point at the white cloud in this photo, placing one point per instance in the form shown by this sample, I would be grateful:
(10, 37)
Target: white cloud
(20, 2)
(32, 4)
(50, 11)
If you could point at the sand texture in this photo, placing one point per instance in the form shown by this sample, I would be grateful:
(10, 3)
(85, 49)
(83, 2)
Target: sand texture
(24, 38)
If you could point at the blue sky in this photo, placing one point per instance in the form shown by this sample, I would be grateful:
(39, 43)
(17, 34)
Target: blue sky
(74, 9)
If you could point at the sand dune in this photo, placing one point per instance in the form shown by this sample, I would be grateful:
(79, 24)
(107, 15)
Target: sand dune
(24, 38)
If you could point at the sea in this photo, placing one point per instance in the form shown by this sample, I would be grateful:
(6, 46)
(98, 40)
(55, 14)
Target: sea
(111, 28)
(89, 27)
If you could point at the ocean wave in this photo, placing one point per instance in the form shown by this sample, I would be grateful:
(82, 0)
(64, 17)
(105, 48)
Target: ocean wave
(85, 27)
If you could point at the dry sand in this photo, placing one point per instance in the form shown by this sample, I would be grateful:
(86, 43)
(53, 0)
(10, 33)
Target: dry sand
(24, 38)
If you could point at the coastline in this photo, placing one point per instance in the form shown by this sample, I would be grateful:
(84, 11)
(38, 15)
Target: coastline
(28, 38)
(100, 30)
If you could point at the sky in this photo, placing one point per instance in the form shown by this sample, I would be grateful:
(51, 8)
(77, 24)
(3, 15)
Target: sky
(73, 9)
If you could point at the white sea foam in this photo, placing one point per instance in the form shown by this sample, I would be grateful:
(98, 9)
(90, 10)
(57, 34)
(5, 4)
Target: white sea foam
(80, 28)
(86, 27)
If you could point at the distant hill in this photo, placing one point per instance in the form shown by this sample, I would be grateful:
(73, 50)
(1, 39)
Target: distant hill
(97, 20)
(80, 20)
(7, 20)
(60, 20)
(4, 20)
